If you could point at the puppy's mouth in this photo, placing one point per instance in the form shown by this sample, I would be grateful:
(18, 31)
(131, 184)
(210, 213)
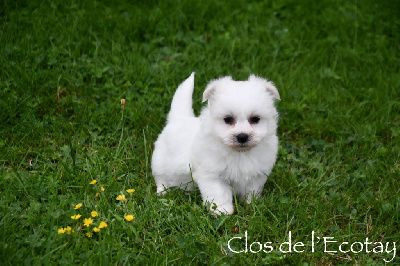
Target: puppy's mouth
(241, 147)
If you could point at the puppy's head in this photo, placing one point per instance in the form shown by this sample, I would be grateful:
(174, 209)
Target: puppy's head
(242, 113)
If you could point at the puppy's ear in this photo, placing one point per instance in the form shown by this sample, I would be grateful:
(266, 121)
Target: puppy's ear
(268, 85)
(212, 86)
(209, 91)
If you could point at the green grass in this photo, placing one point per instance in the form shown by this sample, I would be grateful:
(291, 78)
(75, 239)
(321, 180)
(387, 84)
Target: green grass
(65, 65)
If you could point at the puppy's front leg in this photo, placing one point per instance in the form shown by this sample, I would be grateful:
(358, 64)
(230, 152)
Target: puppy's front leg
(254, 188)
(216, 191)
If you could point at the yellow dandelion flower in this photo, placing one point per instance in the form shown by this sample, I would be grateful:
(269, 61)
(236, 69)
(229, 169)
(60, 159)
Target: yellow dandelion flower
(61, 231)
(103, 224)
(89, 234)
(102, 189)
(97, 194)
(130, 191)
(121, 197)
(96, 229)
(93, 182)
(76, 217)
(68, 229)
(77, 206)
(87, 221)
(94, 214)
(129, 217)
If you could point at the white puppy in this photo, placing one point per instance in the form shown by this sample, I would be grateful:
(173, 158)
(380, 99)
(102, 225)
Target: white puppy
(230, 147)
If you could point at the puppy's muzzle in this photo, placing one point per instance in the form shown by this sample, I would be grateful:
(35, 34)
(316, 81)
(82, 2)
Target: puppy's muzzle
(242, 138)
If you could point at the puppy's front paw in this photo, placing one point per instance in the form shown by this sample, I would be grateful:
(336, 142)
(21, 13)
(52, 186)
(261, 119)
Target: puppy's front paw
(226, 209)
(251, 197)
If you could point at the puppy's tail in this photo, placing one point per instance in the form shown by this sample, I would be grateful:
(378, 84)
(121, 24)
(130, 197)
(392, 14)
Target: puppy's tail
(181, 105)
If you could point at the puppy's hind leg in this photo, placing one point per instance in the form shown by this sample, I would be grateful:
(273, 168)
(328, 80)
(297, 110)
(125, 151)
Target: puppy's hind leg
(162, 185)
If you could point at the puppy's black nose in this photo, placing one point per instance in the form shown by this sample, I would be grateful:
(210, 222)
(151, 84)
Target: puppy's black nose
(242, 138)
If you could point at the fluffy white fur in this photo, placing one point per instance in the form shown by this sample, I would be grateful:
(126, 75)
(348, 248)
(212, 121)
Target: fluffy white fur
(230, 147)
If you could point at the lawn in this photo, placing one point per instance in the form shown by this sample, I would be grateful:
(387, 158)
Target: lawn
(68, 146)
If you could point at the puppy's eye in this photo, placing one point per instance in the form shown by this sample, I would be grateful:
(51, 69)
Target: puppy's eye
(254, 120)
(229, 120)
